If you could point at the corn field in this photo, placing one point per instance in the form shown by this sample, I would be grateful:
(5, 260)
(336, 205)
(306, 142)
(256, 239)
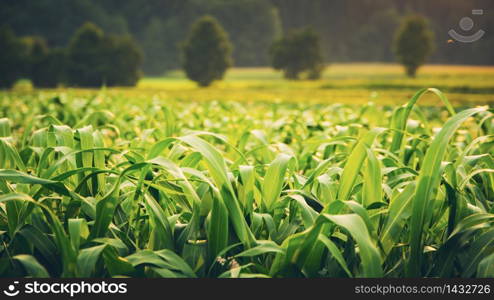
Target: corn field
(114, 186)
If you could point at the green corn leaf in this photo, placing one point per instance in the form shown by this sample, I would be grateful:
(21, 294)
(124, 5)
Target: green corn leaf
(354, 163)
(274, 179)
(371, 258)
(32, 266)
(427, 186)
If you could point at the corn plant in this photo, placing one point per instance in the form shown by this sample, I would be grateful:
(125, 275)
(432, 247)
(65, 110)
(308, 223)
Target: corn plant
(104, 186)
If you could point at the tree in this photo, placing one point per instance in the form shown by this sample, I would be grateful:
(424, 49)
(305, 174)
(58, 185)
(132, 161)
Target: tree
(86, 57)
(161, 30)
(95, 59)
(46, 67)
(56, 21)
(123, 59)
(413, 44)
(298, 52)
(12, 58)
(206, 52)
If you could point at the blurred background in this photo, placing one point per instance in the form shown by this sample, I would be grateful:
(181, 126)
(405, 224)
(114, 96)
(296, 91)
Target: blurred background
(348, 51)
(350, 30)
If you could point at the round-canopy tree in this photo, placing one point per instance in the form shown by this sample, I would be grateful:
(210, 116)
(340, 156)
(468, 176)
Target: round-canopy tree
(86, 57)
(413, 44)
(298, 52)
(96, 59)
(123, 60)
(206, 52)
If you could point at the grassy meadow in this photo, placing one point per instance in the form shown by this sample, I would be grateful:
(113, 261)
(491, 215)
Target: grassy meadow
(356, 83)
(364, 173)
(341, 83)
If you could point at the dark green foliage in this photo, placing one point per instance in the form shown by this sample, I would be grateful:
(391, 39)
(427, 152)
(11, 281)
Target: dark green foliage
(91, 60)
(298, 52)
(52, 68)
(348, 29)
(46, 66)
(252, 25)
(123, 60)
(38, 51)
(162, 29)
(95, 59)
(413, 44)
(12, 57)
(206, 52)
(86, 57)
(29, 57)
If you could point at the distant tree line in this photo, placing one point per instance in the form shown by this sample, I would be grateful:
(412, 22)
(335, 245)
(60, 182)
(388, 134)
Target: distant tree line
(206, 53)
(91, 59)
(207, 50)
(362, 30)
(349, 30)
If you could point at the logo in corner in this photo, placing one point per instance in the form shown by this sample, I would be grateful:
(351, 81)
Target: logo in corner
(11, 290)
(466, 24)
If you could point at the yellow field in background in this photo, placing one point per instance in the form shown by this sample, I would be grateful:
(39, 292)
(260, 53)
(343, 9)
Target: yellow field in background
(353, 83)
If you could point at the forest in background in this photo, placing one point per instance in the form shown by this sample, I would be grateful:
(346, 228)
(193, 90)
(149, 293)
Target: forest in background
(350, 30)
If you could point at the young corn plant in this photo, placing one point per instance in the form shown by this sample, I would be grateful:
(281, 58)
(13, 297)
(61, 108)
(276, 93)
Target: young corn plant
(227, 189)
